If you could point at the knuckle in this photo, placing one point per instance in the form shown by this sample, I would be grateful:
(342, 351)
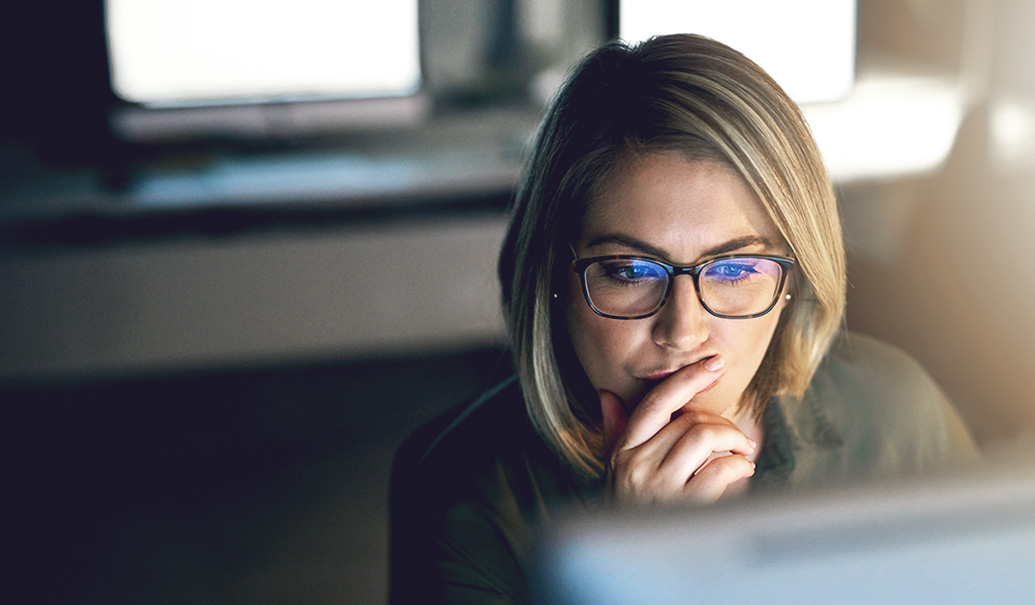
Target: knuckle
(732, 467)
(621, 472)
(618, 459)
(689, 418)
(628, 473)
(702, 432)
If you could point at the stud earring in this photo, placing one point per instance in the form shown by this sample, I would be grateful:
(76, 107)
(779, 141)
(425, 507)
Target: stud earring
(788, 297)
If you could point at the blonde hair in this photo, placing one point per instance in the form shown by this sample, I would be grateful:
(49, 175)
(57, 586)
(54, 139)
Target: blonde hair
(681, 93)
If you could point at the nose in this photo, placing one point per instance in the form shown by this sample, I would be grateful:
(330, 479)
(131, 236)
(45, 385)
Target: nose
(682, 323)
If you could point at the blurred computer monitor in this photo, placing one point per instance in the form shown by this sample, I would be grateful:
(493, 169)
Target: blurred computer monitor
(968, 539)
(244, 68)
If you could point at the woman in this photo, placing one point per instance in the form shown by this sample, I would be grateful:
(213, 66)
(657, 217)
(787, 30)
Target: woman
(674, 284)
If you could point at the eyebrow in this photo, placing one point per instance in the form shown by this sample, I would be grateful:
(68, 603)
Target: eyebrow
(733, 245)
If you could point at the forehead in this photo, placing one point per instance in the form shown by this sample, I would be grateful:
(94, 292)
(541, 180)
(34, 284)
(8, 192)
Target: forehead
(679, 205)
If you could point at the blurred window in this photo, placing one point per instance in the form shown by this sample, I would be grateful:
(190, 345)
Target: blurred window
(808, 46)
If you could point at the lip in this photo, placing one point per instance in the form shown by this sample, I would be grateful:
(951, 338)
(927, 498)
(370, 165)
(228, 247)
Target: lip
(657, 378)
(663, 374)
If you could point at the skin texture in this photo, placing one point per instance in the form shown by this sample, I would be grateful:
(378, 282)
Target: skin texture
(671, 384)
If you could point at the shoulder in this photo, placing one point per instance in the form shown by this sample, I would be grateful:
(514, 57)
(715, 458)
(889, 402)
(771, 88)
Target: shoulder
(867, 368)
(471, 439)
(466, 491)
(485, 456)
(889, 413)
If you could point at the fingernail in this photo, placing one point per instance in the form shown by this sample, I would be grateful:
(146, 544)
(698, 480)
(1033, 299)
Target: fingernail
(753, 444)
(714, 363)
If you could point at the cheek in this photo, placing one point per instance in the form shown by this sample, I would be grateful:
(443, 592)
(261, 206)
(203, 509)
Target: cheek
(752, 340)
(744, 343)
(601, 344)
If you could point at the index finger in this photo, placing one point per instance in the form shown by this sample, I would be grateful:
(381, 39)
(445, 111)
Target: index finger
(656, 408)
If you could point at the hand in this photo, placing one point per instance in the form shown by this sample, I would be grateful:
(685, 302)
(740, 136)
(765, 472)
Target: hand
(655, 458)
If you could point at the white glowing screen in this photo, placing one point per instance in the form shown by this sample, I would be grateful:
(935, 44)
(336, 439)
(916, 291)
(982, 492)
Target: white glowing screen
(208, 51)
(807, 46)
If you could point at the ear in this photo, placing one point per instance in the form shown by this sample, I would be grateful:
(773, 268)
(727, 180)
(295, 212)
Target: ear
(789, 294)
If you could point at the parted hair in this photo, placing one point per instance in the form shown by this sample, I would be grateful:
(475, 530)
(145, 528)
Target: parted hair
(677, 93)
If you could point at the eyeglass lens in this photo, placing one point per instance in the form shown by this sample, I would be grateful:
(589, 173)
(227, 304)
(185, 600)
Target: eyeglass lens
(736, 287)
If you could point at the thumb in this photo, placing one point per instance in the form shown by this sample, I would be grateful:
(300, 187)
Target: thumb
(612, 412)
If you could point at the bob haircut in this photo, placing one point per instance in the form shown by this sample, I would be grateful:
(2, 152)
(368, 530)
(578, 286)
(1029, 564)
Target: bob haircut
(678, 93)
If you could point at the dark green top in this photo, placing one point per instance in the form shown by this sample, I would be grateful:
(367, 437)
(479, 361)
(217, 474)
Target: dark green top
(469, 490)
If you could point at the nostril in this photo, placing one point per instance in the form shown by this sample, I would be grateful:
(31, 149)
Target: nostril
(682, 323)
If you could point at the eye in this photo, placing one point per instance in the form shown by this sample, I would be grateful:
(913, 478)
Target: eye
(732, 270)
(632, 270)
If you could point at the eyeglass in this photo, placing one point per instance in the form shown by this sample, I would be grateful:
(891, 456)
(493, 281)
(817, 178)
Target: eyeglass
(634, 287)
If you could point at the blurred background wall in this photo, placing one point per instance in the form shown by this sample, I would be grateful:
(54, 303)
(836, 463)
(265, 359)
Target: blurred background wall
(204, 346)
